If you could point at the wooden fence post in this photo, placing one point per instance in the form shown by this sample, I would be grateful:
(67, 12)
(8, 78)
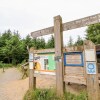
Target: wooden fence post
(91, 70)
(31, 69)
(58, 35)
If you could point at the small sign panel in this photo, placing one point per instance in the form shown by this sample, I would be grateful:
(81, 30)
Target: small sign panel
(30, 56)
(58, 58)
(31, 65)
(90, 55)
(91, 67)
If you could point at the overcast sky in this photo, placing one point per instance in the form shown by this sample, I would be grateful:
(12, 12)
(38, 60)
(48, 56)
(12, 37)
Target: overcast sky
(30, 15)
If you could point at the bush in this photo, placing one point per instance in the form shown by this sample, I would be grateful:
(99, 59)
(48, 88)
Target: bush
(50, 94)
(5, 65)
(81, 96)
(41, 94)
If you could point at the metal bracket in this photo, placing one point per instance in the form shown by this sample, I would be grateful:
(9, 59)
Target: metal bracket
(58, 58)
(36, 58)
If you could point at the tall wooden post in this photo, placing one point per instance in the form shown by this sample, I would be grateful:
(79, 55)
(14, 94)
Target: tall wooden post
(59, 54)
(91, 71)
(31, 69)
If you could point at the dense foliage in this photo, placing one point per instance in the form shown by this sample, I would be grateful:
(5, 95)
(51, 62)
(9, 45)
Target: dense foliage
(14, 50)
(93, 33)
(4, 65)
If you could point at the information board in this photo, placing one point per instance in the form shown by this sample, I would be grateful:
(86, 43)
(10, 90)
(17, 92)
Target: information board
(90, 55)
(73, 59)
(31, 65)
(30, 56)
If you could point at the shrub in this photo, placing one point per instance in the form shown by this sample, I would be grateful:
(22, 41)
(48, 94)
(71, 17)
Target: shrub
(5, 65)
(50, 94)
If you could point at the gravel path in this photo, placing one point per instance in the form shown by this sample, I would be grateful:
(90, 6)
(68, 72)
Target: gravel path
(9, 75)
(11, 85)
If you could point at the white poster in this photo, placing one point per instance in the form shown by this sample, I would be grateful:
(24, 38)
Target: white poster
(30, 56)
(31, 65)
(90, 55)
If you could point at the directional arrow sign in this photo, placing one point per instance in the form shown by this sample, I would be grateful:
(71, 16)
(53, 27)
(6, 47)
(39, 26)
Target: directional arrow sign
(69, 25)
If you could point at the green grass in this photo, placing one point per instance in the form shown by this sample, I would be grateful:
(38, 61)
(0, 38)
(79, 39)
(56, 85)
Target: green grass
(5, 65)
(50, 94)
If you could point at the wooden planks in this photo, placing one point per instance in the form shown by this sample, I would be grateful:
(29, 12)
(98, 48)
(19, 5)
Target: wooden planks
(74, 79)
(74, 74)
(42, 32)
(31, 79)
(69, 25)
(65, 49)
(73, 49)
(81, 22)
(76, 71)
(44, 51)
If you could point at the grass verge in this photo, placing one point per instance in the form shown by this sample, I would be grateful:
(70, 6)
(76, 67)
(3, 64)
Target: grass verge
(50, 94)
(4, 65)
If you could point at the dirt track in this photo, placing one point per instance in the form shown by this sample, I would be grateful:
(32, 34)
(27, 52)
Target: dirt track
(12, 87)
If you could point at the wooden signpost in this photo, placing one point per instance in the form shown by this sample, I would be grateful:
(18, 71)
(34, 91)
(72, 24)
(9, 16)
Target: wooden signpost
(69, 25)
(58, 29)
(91, 70)
(31, 69)
(59, 54)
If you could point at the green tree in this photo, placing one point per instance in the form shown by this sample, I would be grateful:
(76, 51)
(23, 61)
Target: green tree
(26, 42)
(4, 52)
(5, 36)
(42, 43)
(79, 41)
(70, 42)
(93, 33)
(51, 42)
(10, 50)
(39, 43)
(13, 49)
